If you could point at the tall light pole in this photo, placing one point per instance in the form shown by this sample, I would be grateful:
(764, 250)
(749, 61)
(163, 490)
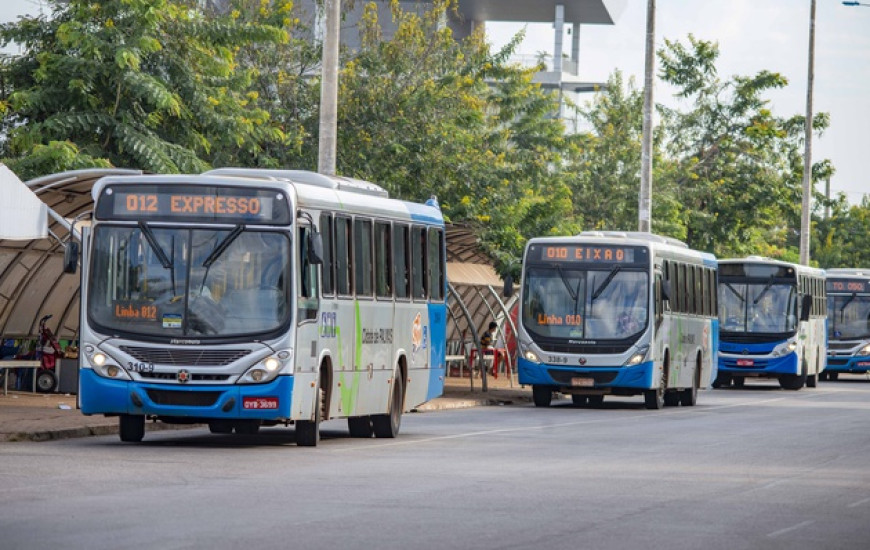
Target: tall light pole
(329, 88)
(808, 146)
(644, 213)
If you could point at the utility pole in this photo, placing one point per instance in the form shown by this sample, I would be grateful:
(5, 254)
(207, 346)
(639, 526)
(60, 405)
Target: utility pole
(329, 88)
(645, 202)
(808, 146)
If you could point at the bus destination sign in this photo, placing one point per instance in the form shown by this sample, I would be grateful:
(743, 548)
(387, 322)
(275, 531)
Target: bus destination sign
(588, 253)
(193, 203)
(848, 285)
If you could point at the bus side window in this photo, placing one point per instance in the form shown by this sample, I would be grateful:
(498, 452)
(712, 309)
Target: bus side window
(383, 261)
(436, 265)
(342, 256)
(328, 268)
(308, 295)
(362, 249)
(401, 259)
(418, 263)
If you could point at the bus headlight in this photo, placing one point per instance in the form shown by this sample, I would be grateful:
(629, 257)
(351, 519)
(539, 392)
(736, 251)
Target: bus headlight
(637, 358)
(784, 349)
(103, 365)
(529, 355)
(267, 369)
(864, 351)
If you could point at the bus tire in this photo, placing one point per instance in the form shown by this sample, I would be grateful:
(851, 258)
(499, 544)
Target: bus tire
(308, 431)
(579, 400)
(811, 381)
(247, 427)
(220, 427)
(596, 401)
(672, 399)
(722, 381)
(655, 398)
(131, 427)
(833, 376)
(387, 425)
(542, 395)
(689, 396)
(738, 381)
(360, 426)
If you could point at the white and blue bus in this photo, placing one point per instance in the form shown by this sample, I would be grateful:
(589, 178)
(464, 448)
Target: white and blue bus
(848, 322)
(771, 322)
(246, 298)
(617, 313)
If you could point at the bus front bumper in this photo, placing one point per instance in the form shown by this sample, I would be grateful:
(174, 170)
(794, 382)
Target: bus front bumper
(640, 377)
(854, 364)
(269, 401)
(742, 365)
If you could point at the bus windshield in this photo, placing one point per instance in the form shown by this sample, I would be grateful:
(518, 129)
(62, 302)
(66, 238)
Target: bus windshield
(182, 282)
(848, 316)
(567, 302)
(764, 306)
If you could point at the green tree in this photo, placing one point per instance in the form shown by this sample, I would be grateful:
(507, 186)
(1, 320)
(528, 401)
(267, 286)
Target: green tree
(152, 84)
(736, 166)
(843, 239)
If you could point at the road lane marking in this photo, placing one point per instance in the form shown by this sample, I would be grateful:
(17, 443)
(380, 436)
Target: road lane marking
(800, 525)
(859, 503)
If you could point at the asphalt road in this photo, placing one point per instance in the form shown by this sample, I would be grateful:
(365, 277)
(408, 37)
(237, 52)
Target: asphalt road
(752, 468)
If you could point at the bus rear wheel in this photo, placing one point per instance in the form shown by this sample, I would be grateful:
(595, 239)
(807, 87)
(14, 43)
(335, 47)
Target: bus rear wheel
(579, 400)
(542, 395)
(387, 425)
(131, 427)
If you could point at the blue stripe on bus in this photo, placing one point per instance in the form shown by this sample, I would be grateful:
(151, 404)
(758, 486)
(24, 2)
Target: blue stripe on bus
(856, 364)
(100, 395)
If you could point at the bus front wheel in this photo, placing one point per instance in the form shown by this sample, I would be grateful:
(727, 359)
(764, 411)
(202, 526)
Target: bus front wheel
(655, 398)
(131, 427)
(308, 431)
(542, 395)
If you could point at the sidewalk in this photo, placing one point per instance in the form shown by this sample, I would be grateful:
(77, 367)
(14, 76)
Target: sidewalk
(26, 416)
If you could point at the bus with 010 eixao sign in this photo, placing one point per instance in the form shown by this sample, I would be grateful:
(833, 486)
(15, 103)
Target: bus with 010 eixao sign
(617, 314)
(245, 298)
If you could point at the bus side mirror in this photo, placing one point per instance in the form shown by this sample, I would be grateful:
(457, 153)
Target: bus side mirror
(806, 306)
(508, 286)
(70, 257)
(315, 248)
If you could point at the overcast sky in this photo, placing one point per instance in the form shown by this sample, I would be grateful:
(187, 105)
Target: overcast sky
(753, 35)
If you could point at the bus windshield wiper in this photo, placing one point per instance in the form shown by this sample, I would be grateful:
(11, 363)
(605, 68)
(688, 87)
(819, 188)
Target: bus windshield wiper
(223, 245)
(846, 303)
(152, 240)
(734, 290)
(565, 282)
(606, 282)
(763, 290)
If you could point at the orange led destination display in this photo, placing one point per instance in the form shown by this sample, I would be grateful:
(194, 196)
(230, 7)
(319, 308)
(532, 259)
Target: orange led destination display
(583, 253)
(847, 285)
(193, 203)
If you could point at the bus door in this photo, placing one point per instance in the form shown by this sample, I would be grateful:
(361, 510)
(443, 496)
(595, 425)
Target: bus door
(307, 315)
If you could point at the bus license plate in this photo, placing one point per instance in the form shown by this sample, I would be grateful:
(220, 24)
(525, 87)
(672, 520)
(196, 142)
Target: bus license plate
(745, 362)
(260, 403)
(582, 382)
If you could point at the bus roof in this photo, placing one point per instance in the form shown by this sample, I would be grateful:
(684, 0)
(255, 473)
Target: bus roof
(848, 272)
(771, 261)
(658, 243)
(306, 177)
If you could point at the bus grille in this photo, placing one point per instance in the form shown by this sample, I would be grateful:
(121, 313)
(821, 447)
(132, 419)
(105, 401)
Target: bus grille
(584, 349)
(173, 376)
(564, 377)
(837, 362)
(186, 357)
(184, 398)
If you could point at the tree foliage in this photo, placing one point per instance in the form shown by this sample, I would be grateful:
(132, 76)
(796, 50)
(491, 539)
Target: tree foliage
(152, 84)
